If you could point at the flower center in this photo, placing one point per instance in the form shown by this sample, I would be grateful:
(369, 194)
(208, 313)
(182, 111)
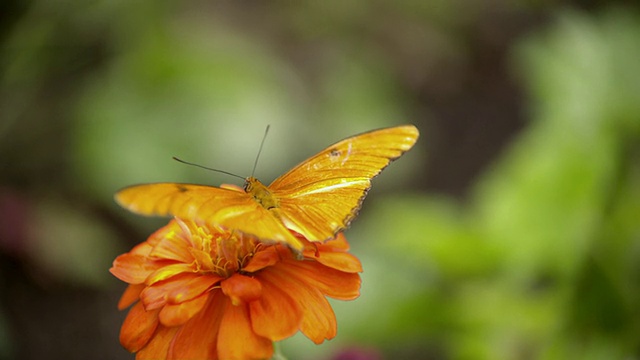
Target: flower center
(223, 253)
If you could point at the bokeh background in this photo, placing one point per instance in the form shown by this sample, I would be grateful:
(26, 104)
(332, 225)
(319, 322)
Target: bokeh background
(511, 231)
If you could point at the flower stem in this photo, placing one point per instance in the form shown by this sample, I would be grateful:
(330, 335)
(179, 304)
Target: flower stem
(277, 355)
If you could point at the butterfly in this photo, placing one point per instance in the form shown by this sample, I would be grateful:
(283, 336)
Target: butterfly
(317, 198)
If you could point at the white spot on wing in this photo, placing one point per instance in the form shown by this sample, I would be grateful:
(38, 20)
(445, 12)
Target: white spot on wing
(347, 155)
(329, 188)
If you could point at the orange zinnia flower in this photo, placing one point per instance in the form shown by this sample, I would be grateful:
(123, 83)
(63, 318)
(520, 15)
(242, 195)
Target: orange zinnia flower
(206, 293)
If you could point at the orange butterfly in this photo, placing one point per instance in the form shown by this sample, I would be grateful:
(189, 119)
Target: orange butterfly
(317, 199)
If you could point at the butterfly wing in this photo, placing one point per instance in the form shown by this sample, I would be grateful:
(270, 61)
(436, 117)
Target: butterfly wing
(320, 196)
(232, 209)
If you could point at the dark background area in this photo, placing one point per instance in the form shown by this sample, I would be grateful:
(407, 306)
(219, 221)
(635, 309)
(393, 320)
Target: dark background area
(509, 232)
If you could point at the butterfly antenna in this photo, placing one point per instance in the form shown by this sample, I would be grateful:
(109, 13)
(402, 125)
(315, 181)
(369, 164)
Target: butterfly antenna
(206, 168)
(266, 131)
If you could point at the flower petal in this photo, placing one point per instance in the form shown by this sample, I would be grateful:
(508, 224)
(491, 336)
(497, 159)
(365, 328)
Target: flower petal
(333, 254)
(338, 243)
(340, 261)
(165, 231)
(197, 338)
(133, 268)
(138, 328)
(318, 320)
(172, 247)
(262, 259)
(178, 314)
(277, 314)
(143, 248)
(237, 339)
(176, 289)
(157, 348)
(241, 289)
(331, 282)
(131, 294)
(168, 271)
(194, 285)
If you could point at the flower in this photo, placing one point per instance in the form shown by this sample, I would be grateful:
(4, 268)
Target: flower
(202, 292)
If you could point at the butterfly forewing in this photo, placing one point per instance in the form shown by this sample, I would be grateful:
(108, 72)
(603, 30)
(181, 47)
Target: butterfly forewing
(320, 196)
(234, 210)
(174, 199)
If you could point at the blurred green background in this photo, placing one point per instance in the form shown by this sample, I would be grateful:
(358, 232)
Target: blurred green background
(509, 232)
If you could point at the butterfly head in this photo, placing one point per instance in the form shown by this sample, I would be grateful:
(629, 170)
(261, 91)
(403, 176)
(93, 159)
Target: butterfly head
(260, 193)
(249, 184)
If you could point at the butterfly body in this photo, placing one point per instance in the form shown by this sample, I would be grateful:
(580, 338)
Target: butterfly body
(317, 198)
